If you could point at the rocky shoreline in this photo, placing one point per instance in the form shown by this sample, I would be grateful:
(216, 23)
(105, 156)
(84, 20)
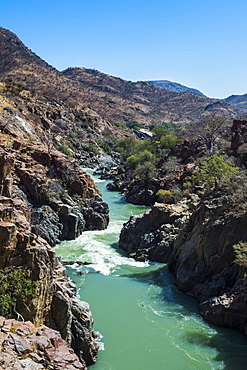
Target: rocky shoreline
(199, 248)
(58, 202)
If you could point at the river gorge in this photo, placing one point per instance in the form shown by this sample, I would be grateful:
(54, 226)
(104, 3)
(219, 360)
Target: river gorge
(143, 321)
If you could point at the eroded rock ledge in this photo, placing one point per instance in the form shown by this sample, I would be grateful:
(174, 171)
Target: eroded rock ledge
(62, 198)
(200, 251)
(64, 192)
(22, 345)
(56, 304)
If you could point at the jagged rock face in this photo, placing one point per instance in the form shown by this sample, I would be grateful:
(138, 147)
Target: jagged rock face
(6, 166)
(152, 234)
(63, 198)
(199, 250)
(22, 345)
(20, 247)
(203, 260)
(239, 140)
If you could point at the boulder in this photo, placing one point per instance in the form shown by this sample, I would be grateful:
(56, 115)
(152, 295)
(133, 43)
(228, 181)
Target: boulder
(152, 234)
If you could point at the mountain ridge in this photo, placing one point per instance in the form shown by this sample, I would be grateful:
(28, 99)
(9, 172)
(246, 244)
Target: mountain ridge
(114, 99)
(174, 86)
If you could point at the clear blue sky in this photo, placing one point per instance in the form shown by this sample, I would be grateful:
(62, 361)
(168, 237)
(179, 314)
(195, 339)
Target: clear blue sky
(201, 44)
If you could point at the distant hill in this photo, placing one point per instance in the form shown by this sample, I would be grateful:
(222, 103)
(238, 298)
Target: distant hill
(238, 102)
(142, 102)
(174, 86)
(114, 99)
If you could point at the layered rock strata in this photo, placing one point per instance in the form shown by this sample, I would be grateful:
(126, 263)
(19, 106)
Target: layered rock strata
(50, 185)
(56, 303)
(62, 197)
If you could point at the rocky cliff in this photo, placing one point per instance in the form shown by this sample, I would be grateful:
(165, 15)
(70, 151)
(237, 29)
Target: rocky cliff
(45, 197)
(202, 251)
(205, 261)
(152, 235)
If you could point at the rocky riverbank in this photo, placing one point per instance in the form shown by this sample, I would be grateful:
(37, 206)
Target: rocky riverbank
(55, 303)
(45, 197)
(201, 251)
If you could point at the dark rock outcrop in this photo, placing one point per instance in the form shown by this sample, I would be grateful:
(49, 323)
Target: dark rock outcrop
(204, 262)
(200, 250)
(152, 234)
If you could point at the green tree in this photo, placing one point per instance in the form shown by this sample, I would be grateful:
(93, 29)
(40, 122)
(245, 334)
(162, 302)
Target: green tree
(158, 132)
(169, 141)
(133, 125)
(145, 172)
(214, 169)
(138, 159)
(126, 146)
(15, 286)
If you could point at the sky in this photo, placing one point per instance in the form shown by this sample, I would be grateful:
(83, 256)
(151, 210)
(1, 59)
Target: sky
(198, 43)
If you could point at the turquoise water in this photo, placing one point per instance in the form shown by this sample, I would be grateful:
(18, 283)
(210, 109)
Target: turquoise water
(143, 321)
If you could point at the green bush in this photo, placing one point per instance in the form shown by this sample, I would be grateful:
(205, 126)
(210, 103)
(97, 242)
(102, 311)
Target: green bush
(133, 125)
(126, 146)
(91, 148)
(187, 184)
(120, 125)
(104, 146)
(240, 251)
(145, 171)
(15, 286)
(213, 170)
(66, 150)
(164, 195)
(138, 159)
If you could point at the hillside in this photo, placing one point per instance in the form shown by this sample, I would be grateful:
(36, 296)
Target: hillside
(125, 101)
(238, 102)
(141, 101)
(174, 86)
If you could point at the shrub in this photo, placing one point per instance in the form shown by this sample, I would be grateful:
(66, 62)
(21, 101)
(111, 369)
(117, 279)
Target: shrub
(138, 159)
(15, 286)
(169, 141)
(164, 195)
(66, 150)
(187, 184)
(91, 148)
(104, 146)
(120, 125)
(213, 170)
(126, 146)
(133, 125)
(240, 251)
(145, 171)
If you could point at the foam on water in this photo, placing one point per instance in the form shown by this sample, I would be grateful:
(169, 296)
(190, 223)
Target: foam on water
(102, 257)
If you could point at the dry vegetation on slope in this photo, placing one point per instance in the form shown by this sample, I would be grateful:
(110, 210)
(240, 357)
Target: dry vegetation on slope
(116, 100)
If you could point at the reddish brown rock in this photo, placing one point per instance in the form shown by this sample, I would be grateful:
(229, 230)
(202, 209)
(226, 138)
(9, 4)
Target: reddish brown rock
(22, 345)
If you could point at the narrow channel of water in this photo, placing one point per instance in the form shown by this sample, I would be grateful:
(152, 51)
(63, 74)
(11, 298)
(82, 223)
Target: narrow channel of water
(144, 321)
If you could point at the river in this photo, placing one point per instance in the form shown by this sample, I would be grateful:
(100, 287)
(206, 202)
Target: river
(144, 322)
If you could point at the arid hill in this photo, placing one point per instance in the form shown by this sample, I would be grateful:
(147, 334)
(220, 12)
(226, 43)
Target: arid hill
(142, 102)
(116, 100)
(238, 102)
(173, 86)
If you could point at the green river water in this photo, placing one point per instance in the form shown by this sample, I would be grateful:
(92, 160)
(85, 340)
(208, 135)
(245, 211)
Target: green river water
(143, 321)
